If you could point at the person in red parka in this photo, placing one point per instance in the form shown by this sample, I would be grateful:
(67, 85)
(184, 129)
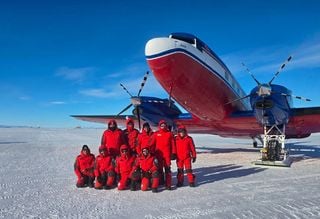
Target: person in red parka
(147, 165)
(185, 153)
(112, 138)
(104, 170)
(165, 150)
(131, 135)
(83, 168)
(124, 167)
(144, 138)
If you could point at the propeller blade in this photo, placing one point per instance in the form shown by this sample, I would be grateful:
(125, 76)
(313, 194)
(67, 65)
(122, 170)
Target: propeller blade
(241, 98)
(248, 70)
(124, 88)
(138, 115)
(143, 82)
(125, 109)
(280, 69)
(298, 97)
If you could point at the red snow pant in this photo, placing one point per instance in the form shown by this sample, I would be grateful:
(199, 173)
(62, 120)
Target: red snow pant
(106, 179)
(149, 178)
(165, 162)
(181, 164)
(124, 181)
(85, 178)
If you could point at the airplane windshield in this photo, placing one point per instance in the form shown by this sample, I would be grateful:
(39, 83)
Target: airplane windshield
(188, 38)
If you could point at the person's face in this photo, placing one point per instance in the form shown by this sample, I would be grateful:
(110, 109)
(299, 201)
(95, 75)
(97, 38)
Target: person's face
(124, 151)
(85, 151)
(103, 152)
(112, 125)
(145, 152)
(163, 126)
(146, 129)
(182, 133)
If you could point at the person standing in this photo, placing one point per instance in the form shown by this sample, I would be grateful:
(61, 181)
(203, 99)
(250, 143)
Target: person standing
(165, 150)
(186, 153)
(112, 139)
(144, 138)
(131, 135)
(84, 168)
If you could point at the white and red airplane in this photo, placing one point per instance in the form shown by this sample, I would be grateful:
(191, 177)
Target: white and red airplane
(195, 77)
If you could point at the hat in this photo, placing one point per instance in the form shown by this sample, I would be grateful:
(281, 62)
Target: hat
(181, 128)
(102, 148)
(85, 147)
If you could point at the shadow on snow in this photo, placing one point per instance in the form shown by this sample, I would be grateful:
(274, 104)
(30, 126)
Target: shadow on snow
(205, 175)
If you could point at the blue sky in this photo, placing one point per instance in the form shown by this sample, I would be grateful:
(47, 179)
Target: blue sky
(59, 58)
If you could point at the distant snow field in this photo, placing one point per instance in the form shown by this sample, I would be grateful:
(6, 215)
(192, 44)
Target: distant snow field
(37, 181)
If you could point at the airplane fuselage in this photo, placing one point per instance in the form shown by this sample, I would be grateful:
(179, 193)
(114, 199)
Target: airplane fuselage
(193, 74)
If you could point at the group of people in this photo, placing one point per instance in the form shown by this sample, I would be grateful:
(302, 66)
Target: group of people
(132, 160)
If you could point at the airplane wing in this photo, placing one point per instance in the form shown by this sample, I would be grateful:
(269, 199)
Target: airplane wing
(304, 121)
(121, 120)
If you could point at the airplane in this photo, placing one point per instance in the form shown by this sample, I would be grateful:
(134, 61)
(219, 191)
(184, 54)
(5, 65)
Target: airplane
(198, 80)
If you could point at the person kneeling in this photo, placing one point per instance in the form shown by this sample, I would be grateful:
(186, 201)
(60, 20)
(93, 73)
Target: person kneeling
(147, 166)
(124, 165)
(104, 170)
(83, 168)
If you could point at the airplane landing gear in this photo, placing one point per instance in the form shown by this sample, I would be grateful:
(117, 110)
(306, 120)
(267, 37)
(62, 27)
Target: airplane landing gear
(274, 152)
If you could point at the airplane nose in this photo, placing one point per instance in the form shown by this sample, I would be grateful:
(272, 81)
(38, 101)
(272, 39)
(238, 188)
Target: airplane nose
(158, 45)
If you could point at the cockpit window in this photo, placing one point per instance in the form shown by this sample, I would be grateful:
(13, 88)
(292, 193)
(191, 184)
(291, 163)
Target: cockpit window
(188, 38)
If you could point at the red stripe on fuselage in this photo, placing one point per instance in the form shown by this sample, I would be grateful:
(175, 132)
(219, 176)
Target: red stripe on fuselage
(194, 86)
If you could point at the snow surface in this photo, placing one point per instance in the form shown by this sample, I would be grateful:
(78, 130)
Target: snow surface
(37, 181)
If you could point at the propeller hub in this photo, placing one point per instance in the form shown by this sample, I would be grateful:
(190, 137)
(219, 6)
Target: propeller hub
(264, 90)
(136, 101)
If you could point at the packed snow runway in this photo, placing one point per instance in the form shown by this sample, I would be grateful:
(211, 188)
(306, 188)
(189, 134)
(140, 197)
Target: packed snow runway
(37, 181)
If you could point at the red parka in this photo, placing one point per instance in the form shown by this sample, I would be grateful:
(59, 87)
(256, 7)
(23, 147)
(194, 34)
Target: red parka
(84, 164)
(112, 139)
(164, 142)
(131, 135)
(185, 147)
(104, 163)
(144, 139)
(125, 163)
(147, 164)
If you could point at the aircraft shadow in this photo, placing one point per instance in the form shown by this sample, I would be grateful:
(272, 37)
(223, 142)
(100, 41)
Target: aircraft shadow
(205, 175)
(311, 151)
(225, 150)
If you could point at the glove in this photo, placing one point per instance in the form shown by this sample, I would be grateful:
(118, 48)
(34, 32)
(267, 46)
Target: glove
(194, 159)
(147, 174)
(173, 156)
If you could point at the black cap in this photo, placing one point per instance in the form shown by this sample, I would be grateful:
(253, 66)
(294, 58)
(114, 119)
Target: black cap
(85, 147)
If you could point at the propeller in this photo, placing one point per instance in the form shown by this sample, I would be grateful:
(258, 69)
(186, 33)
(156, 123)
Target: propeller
(248, 70)
(135, 100)
(265, 89)
(298, 97)
(280, 69)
